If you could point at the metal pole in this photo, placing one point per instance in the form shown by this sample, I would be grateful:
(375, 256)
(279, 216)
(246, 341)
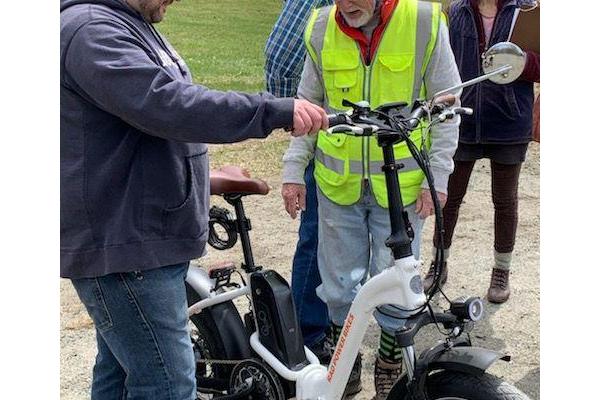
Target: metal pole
(481, 78)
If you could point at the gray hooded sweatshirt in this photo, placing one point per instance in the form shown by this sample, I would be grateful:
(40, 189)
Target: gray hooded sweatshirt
(134, 169)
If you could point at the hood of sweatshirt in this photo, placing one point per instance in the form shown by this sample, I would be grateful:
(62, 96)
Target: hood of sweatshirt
(114, 4)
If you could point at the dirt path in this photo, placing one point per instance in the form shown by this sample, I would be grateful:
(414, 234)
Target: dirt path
(512, 328)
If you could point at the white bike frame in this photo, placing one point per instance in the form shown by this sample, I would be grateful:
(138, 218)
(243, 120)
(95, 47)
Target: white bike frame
(399, 285)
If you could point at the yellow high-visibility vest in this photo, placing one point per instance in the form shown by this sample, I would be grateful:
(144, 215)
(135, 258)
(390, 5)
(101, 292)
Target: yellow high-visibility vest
(395, 74)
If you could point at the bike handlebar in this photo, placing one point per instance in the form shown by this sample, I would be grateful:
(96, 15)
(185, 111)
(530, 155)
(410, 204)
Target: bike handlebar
(349, 129)
(343, 123)
(416, 116)
(337, 119)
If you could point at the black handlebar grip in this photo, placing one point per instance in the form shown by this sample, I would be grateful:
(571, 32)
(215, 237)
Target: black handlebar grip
(418, 113)
(416, 116)
(337, 119)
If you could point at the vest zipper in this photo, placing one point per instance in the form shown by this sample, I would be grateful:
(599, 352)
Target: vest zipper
(366, 139)
(366, 154)
(367, 86)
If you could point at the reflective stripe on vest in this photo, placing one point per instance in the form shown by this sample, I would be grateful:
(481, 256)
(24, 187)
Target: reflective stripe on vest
(355, 167)
(395, 74)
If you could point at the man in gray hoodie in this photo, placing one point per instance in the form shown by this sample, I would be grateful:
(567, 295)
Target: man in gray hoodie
(135, 187)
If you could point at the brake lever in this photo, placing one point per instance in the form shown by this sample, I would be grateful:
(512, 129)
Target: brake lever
(373, 122)
(360, 108)
(348, 103)
(354, 130)
(463, 110)
(450, 113)
(386, 108)
(346, 129)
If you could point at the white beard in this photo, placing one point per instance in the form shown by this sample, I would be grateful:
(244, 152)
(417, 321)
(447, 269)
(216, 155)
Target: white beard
(358, 22)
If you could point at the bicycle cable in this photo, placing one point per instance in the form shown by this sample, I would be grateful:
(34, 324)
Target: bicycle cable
(222, 217)
(422, 160)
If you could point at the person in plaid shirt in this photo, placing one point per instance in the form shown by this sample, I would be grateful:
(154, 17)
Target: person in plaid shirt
(284, 53)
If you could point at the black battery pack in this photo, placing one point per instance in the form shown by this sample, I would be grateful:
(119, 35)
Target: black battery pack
(276, 320)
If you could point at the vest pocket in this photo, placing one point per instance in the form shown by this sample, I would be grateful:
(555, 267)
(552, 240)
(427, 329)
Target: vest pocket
(332, 166)
(341, 77)
(396, 62)
(395, 71)
(500, 102)
(512, 100)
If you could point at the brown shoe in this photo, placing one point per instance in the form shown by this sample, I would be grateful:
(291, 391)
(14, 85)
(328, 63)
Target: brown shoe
(386, 374)
(428, 281)
(499, 289)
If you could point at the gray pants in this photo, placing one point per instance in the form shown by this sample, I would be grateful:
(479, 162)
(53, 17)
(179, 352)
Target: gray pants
(352, 248)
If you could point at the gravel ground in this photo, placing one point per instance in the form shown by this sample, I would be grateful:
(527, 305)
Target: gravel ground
(512, 328)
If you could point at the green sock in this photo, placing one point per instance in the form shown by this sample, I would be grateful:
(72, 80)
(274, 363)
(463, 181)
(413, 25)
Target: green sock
(502, 260)
(336, 331)
(389, 350)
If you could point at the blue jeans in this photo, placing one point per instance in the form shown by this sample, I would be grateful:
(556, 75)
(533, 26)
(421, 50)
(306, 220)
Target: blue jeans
(352, 248)
(312, 312)
(144, 348)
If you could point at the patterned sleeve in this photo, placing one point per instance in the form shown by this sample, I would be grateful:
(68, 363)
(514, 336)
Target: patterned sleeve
(284, 51)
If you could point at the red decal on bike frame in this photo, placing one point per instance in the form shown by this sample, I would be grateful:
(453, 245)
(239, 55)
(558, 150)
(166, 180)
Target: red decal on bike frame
(340, 347)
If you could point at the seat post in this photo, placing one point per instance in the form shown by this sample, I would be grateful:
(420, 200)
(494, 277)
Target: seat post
(243, 227)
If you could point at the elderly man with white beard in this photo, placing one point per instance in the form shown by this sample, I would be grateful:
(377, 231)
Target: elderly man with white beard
(381, 51)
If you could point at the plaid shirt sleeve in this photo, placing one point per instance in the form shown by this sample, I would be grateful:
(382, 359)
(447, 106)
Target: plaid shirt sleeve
(284, 51)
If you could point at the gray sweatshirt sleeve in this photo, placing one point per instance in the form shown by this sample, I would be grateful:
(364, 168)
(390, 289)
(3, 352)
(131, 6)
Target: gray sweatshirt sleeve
(302, 149)
(112, 69)
(442, 73)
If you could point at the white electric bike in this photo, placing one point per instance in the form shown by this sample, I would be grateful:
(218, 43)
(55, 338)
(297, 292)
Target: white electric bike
(263, 356)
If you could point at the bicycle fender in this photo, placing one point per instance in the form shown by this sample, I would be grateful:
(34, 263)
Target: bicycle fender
(462, 358)
(470, 360)
(233, 331)
(225, 315)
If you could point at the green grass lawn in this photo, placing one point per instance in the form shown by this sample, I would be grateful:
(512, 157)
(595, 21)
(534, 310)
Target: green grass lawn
(222, 41)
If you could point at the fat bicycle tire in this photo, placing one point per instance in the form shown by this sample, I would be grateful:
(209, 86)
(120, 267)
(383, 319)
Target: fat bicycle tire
(452, 385)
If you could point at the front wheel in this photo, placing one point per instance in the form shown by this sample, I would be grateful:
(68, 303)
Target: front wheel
(451, 385)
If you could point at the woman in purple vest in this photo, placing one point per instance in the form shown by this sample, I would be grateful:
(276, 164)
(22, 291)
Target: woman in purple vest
(500, 129)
